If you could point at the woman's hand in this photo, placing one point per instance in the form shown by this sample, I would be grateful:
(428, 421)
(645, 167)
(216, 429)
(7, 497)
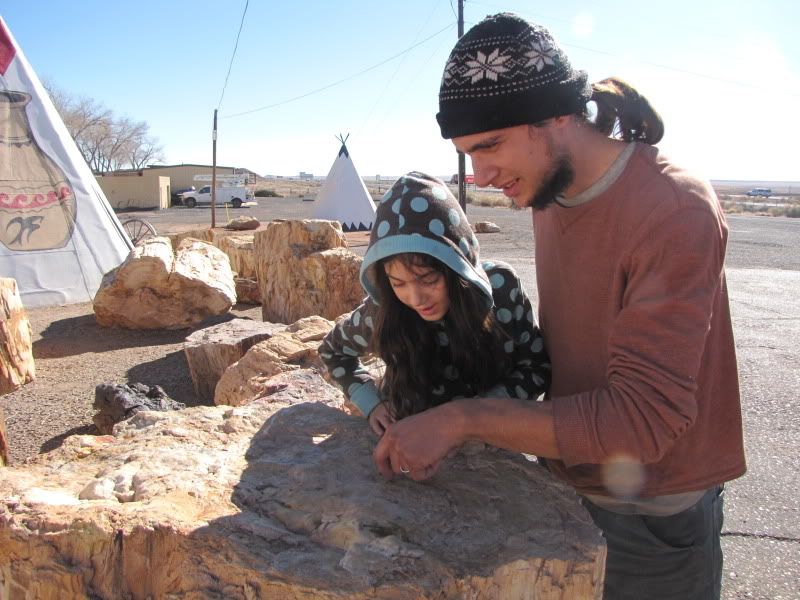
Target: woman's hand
(380, 419)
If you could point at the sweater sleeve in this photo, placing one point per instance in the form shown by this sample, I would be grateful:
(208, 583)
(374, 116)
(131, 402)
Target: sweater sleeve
(674, 281)
(529, 376)
(340, 352)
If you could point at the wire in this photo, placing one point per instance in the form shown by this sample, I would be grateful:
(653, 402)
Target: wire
(235, 47)
(341, 81)
(396, 69)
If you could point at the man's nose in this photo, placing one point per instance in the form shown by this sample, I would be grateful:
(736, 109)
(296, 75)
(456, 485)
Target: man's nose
(484, 172)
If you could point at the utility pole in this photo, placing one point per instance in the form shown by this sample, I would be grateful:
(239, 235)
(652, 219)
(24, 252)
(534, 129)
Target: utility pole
(214, 173)
(462, 186)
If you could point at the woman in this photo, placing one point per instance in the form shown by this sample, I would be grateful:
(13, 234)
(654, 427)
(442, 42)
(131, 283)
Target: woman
(445, 324)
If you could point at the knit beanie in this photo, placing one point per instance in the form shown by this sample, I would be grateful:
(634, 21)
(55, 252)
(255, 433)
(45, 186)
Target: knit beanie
(505, 72)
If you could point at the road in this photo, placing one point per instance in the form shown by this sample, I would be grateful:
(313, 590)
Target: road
(762, 521)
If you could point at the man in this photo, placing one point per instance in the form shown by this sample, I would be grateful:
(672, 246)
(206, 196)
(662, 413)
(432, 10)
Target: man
(643, 416)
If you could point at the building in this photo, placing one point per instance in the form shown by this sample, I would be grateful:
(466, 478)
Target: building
(152, 187)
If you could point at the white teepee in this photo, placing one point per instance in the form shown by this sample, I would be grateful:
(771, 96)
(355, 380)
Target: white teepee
(343, 196)
(58, 234)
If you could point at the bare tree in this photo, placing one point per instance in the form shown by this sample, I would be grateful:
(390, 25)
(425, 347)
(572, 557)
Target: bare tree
(107, 143)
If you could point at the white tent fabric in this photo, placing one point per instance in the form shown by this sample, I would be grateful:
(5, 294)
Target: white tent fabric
(344, 197)
(58, 234)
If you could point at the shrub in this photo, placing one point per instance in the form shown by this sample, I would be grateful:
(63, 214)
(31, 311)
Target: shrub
(265, 193)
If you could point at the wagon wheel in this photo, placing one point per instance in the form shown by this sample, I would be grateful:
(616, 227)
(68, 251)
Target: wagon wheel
(138, 230)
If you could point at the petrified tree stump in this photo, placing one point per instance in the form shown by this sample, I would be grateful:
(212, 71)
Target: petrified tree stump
(279, 499)
(16, 355)
(211, 350)
(304, 268)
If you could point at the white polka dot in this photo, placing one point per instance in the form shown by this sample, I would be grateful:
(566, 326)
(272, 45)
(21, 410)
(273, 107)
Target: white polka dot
(356, 318)
(519, 312)
(487, 265)
(326, 355)
(436, 226)
(454, 216)
(530, 316)
(504, 315)
(419, 204)
(360, 340)
(401, 221)
(439, 193)
(521, 393)
(368, 321)
(443, 339)
(438, 391)
(508, 347)
(536, 379)
(497, 281)
(386, 196)
(383, 228)
(338, 372)
(525, 337)
(537, 345)
(396, 206)
(474, 242)
(349, 351)
(464, 245)
(513, 294)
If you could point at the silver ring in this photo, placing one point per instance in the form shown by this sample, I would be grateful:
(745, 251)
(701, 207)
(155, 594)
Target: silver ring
(404, 469)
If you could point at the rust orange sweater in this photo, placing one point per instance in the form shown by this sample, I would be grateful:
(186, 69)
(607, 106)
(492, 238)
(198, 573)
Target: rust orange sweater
(634, 311)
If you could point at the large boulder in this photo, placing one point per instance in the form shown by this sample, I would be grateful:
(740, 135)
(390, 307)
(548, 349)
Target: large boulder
(16, 347)
(155, 288)
(280, 499)
(305, 268)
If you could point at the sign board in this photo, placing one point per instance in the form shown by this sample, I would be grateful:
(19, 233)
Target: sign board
(223, 179)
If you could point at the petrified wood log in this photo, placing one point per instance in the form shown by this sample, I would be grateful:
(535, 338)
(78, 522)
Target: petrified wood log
(16, 356)
(280, 499)
(116, 402)
(211, 350)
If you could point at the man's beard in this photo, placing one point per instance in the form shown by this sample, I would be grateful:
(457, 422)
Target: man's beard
(558, 181)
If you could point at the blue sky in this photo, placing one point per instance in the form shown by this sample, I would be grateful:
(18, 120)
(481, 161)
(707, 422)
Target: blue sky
(725, 75)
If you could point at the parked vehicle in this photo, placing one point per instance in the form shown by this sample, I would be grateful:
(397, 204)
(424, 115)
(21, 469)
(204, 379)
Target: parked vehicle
(467, 178)
(763, 192)
(176, 197)
(234, 195)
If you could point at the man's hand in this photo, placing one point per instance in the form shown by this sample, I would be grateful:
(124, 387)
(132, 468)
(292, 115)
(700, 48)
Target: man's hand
(380, 419)
(416, 445)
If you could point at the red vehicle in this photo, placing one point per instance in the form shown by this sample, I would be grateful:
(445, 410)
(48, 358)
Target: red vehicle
(467, 179)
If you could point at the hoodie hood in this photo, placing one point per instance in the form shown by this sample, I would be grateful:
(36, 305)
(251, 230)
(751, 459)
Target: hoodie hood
(420, 214)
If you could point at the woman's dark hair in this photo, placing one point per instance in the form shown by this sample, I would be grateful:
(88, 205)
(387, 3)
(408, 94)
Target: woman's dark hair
(624, 113)
(410, 348)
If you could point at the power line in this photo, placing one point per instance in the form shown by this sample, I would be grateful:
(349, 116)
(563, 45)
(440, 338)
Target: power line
(235, 47)
(341, 81)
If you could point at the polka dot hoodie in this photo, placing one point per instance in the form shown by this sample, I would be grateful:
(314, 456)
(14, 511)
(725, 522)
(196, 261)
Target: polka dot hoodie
(420, 214)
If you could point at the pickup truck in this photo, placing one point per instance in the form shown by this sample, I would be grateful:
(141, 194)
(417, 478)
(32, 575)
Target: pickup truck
(234, 196)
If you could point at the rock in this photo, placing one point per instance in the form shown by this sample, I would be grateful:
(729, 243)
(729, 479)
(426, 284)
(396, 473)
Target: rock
(154, 288)
(4, 449)
(280, 499)
(16, 347)
(247, 291)
(303, 269)
(295, 347)
(115, 403)
(211, 350)
(239, 249)
(486, 227)
(243, 223)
